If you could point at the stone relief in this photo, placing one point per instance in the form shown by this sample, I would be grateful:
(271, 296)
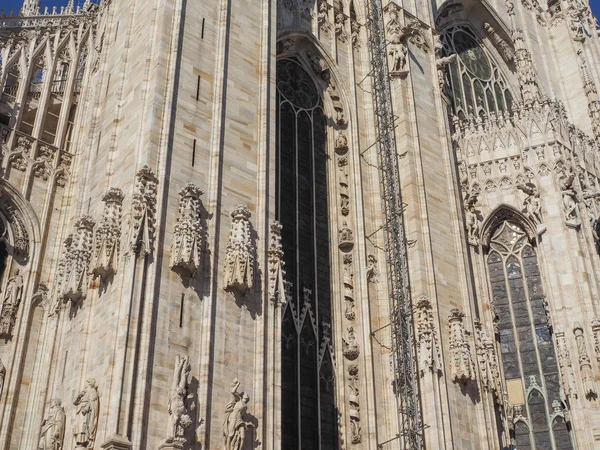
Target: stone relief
(277, 286)
(585, 364)
(341, 143)
(187, 236)
(72, 276)
(179, 417)
(13, 294)
(53, 427)
(340, 27)
(239, 256)
(595, 332)
(340, 118)
(430, 358)
(235, 423)
(354, 401)
(488, 363)
(86, 420)
(143, 212)
(345, 237)
(108, 236)
(462, 367)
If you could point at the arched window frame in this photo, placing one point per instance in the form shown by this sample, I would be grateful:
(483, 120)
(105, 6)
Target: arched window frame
(501, 94)
(554, 414)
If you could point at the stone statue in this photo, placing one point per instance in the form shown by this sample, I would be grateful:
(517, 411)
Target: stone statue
(179, 419)
(532, 203)
(14, 289)
(53, 427)
(471, 218)
(569, 198)
(398, 53)
(234, 425)
(86, 423)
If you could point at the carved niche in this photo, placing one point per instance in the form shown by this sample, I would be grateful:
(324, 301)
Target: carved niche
(239, 257)
(187, 237)
(108, 236)
(72, 276)
(143, 212)
(462, 367)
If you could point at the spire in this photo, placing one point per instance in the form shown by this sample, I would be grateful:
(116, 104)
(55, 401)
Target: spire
(30, 8)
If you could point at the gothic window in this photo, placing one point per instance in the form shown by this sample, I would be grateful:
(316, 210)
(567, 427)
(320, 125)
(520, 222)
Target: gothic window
(308, 386)
(529, 363)
(477, 84)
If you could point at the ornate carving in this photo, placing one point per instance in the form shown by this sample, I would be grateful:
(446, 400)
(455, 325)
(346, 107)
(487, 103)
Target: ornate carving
(341, 143)
(567, 379)
(21, 236)
(86, 420)
(526, 74)
(532, 203)
(585, 364)
(187, 237)
(372, 270)
(351, 348)
(277, 287)
(108, 236)
(239, 258)
(20, 157)
(11, 300)
(323, 16)
(461, 362)
(143, 212)
(340, 118)
(354, 401)
(179, 418)
(318, 65)
(503, 48)
(428, 346)
(53, 427)
(235, 423)
(355, 29)
(349, 288)
(72, 274)
(395, 35)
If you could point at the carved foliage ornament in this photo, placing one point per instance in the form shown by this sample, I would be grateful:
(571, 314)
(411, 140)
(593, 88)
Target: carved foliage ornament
(239, 257)
(187, 237)
(108, 235)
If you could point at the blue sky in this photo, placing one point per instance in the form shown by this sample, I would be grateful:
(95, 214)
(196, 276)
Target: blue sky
(7, 4)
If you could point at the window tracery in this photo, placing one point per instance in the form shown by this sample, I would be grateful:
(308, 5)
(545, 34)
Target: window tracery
(309, 417)
(477, 84)
(529, 361)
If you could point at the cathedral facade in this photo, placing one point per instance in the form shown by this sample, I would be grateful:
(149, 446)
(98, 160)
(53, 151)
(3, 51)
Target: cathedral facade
(300, 224)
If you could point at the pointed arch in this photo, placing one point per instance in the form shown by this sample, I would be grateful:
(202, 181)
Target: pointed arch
(503, 213)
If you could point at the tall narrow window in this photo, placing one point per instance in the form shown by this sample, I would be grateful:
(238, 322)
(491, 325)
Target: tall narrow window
(308, 387)
(529, 363)
(478, 87)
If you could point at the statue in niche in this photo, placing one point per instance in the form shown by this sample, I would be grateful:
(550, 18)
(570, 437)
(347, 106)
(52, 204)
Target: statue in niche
(14, 289)
(88, 403)
(179, 419)
(532, 203)
(53, 427)
(398, 53)
(234, 425)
